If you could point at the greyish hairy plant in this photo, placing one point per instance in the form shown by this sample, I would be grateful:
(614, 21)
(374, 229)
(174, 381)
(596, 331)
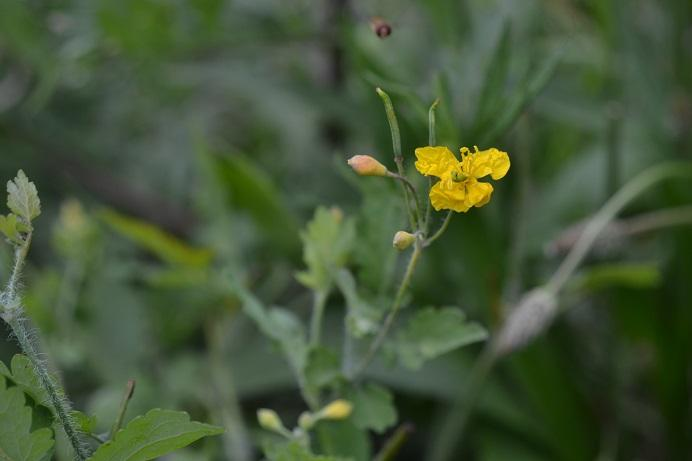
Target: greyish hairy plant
(29, 379)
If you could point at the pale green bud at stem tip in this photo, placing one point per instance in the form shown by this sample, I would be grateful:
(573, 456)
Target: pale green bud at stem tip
(365, 165)
(268, 419)
(338, 409)
(403, 240)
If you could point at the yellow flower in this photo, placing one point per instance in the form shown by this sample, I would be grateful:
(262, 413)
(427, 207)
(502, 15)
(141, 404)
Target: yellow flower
(458, 188)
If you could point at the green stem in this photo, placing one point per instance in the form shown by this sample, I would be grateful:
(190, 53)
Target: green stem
(414, 193)
(129, 390)
(398, 157)
(441, 230)
(319, 302)
(13, 315)
(396, 307)
(393, 445)
(432, 141)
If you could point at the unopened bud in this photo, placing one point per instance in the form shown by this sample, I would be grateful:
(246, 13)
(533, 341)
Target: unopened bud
(268, 419)
(365, 165)
(403, 240)
(306, 420)
(338, 409)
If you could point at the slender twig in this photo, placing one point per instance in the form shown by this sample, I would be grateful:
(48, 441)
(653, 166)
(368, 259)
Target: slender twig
(319, 301)
(440, 231)
(393, 311)
(393, 445)
(129, 390)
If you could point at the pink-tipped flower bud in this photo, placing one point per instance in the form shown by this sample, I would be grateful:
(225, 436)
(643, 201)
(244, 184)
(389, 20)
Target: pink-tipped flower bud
(365, 165)
(403, 240)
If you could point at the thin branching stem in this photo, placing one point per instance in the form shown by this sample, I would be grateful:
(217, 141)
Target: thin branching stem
(129, 390)
(441, 230)
(393, 311)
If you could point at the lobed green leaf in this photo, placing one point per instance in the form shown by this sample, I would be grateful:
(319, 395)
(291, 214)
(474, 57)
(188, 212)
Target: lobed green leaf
(22, 198)
(155, 434)
(432, 332)
(17, 442)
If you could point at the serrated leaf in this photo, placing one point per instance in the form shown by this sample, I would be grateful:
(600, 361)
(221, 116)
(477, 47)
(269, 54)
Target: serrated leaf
(327, 243)
(12, 228)
(279, 325)
(17, 443)
(22, 197)
(23, 376)
(322, 368)
(155, 434)
(86, 423)
(373, 407)
(432, 332)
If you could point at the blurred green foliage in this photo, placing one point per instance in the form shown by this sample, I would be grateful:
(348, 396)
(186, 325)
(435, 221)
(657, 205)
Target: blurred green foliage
(198, 137)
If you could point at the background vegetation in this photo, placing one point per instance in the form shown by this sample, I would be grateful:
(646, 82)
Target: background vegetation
(176, 142)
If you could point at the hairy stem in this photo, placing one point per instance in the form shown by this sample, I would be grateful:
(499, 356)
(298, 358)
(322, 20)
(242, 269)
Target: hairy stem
(13, 315)
(55, 393)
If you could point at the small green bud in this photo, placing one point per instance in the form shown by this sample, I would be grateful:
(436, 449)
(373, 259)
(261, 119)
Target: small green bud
(269, 420)
(403, 240)
(306, 420)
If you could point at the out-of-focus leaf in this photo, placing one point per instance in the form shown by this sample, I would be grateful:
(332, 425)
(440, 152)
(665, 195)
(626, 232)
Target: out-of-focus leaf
(373, 407)
(521, 98)
(278, 324)
(495, 79)
(85, 423)
(362, 318)
(250, 189)
(322, 368)
(432, 332)
(22, 198)
(327, 243)
(641, 276)
(17, 443)
(294, 451)
(343, 438)
(155, 434)
(164, 245)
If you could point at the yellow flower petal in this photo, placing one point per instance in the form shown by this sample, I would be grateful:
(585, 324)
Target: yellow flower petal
(435, 161)
(491, 162)
(477, 193)
(448, 198)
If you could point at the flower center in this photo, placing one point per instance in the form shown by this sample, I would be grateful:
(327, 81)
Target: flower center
(458, 175)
